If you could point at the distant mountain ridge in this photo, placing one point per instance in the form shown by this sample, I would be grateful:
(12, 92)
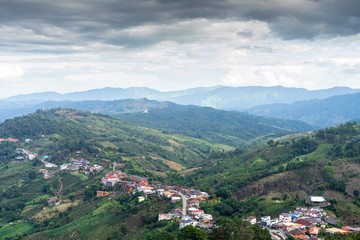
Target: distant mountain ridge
(326, 112)
(213, 125)
(216, 126)
(220, 97)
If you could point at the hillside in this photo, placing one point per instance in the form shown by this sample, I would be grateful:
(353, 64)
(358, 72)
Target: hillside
(216, 126)
(273, 177)
(58, 200)
(75, 130)
(322, 113)
(260, 179)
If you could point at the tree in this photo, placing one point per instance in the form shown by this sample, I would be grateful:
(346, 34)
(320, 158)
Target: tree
(124, 229)
(236, 229)
(32, 175)
(46, 188)
(356, 193)
(160, 235)
(224, 209)
(191, 233)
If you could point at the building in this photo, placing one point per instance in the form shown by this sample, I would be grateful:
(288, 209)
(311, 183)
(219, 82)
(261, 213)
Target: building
(175, 199)
(251, 219)
(317, 200)
(297, 233)
(186, 222)
(54, 202)
(335, 230)
(285, 217)
(314, 231)
(102, 193)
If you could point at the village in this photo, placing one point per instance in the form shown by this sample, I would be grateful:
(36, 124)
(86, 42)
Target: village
(305, 222)
(188, 214)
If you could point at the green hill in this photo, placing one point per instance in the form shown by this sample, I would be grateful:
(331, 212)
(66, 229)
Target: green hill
(261, 179)
(68, 130)
(209, 124)
(274, 177)
(217, 126)
(62, 134)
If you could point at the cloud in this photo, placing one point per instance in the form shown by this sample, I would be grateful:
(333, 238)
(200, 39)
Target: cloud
(10, 71)
(143, 22)
(172, 44)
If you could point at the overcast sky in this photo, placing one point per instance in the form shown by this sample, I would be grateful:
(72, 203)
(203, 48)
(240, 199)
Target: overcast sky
(73, 45)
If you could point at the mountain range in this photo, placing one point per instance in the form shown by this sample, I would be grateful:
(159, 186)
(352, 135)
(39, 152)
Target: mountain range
(217, 126)
(321, 113)
(221, 97)
(320, 108)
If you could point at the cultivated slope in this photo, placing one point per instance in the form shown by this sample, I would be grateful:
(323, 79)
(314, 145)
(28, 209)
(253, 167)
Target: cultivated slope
(253, 180)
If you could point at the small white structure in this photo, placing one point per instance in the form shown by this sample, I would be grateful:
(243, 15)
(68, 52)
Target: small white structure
(97, 168)
(207, 217)
(317, 199)
(285, 217)
(265, 219)
(50, 165)
(175, 199)
(64, 166)
(251, 219)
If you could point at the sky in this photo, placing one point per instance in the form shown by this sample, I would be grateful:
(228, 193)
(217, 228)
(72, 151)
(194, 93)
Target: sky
(75, 45)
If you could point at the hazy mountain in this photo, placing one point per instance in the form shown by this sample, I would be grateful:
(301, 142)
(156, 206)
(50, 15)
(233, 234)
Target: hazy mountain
(244, 97)
(230, 98)
(326, 112)
(217, 126)
(16, 109)
(212, 125)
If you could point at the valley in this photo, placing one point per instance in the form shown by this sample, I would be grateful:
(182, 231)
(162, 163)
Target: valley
(93, 170)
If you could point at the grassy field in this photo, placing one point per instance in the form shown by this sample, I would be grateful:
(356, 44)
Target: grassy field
(15, 230)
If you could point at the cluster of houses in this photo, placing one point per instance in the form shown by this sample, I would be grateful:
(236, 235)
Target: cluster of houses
(46, 173)
(10, 139)
(23, 155)
(74, 165)
(80, 165)
(113, 178)
(303, 223)
(130, 184)
(190, 213)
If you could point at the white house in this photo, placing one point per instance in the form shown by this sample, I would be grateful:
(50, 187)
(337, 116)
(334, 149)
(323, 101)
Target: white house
(317, 199)
(50, 165)
(285, 217)
(251, 219)
(175, 199)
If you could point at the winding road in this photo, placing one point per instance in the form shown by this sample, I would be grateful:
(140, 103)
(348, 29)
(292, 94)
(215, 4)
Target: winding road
(60, 186)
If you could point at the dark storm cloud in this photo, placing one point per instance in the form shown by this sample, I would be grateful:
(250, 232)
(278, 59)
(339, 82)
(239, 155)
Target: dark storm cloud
(84, 21)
